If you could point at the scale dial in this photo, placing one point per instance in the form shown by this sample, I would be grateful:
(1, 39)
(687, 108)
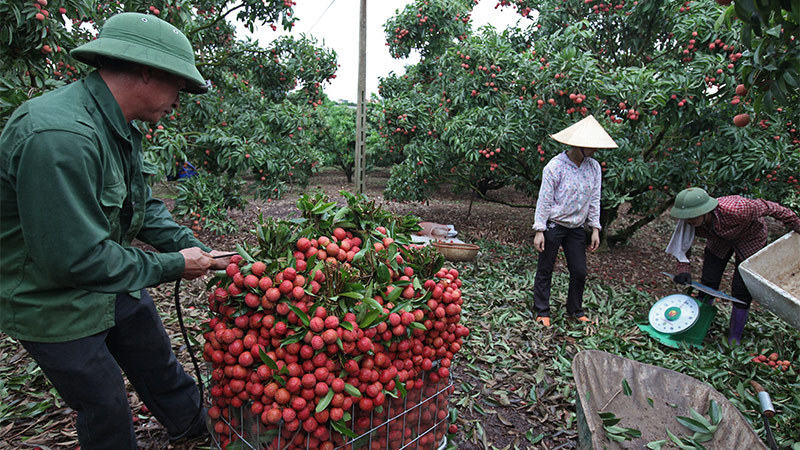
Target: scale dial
(674, 314)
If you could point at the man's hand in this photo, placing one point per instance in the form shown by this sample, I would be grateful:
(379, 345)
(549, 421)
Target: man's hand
(683, 278)
(595, 243)
(538, 241)
(196, 263)
(220, 263)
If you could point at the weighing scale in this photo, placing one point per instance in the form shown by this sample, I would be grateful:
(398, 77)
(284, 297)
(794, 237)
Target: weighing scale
(679, 318)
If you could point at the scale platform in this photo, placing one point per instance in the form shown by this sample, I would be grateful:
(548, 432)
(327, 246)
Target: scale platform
(679, 318)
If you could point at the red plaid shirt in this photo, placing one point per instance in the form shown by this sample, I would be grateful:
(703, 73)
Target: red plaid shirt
(738, 224)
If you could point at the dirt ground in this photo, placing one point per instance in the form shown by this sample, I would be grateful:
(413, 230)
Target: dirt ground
(637, 264)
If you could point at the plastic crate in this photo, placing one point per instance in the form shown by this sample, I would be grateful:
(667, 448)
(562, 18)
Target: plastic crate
(416, 421)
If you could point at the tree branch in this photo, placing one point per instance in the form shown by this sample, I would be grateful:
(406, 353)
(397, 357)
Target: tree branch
(213, 22)
(625, 234)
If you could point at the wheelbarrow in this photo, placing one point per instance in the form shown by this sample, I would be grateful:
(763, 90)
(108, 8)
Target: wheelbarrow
(647, 401)
(772, 276)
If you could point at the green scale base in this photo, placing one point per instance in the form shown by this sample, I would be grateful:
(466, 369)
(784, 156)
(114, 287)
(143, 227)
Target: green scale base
(693, 336)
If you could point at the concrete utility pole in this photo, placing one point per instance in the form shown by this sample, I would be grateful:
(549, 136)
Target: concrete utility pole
(361, 107)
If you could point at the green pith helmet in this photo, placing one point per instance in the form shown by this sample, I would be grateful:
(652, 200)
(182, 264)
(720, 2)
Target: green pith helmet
(147, 40)
(691, 203)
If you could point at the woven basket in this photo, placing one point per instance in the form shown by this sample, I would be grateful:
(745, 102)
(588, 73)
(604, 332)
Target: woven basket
(453, 251)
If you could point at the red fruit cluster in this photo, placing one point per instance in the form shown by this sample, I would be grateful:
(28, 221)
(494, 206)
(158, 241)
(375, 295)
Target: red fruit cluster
(281, 348)
(773, 360)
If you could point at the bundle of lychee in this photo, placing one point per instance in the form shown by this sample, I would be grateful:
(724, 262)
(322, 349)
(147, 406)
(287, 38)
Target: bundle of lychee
(771, 360)
(332, 314)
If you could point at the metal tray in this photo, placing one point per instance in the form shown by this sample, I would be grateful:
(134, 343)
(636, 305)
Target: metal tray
(773, 277)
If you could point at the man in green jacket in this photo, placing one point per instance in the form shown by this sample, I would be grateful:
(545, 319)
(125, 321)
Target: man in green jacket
(72, 199)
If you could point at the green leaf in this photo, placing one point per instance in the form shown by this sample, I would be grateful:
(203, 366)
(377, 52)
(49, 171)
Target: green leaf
(678, 441)
(266, 359)
(633, 433)
(394, 295)
(325, 401)
(373, 304)
(626, 389)
(533, 439)
(699, 417)
(297, 337)
(300, 314)
(360, 255)
(702, 437)
(401, 387)
(611, 421)
(656, 445)
(692, 424)
(369, 319)
(341, 427)
(382, 275)
(317, 267)
(615, 437)
(240, 249)
(775, 31)
(714, 412)
(352, 390)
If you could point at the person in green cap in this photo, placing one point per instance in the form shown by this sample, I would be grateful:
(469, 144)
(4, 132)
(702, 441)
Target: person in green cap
(731, 225)
(72, 199)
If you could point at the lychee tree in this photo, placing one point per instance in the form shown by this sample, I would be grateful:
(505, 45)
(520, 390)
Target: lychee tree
(255, 121)
(335, 136)
(769, 30)
(658, 75)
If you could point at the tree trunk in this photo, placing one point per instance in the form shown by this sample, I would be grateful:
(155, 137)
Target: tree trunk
(348, 172)
(623, 235)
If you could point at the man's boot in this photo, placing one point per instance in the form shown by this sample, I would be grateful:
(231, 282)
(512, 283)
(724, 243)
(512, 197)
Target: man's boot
(738, 319)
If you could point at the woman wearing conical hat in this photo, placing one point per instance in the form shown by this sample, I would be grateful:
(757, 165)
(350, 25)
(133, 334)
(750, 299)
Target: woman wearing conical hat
(569, 200)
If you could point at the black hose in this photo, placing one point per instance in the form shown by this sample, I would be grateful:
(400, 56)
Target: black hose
(186, 339)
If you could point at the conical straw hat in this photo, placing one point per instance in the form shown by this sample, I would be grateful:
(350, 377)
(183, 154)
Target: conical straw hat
(587, 133)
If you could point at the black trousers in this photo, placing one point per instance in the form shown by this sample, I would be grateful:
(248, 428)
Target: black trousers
(714, 268)
(86, 373)
(573, 240)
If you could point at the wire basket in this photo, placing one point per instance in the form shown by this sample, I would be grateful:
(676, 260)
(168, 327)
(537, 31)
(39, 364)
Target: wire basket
(417, 420)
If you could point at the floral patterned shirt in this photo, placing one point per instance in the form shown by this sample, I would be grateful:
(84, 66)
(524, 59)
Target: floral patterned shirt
(570, 194)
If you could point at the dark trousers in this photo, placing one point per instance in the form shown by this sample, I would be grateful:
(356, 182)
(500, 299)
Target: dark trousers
(86, 373)
(714, 268)
(573, 240)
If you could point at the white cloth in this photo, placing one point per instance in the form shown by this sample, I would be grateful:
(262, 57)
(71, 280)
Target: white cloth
(681, 241)
(425, 240)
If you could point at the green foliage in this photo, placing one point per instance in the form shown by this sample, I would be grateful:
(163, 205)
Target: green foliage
(617, 433)
(24, 389)
(477, 113)
(427, 26)
(360, 213)
(34, 42)
(336, 136)
(349, 286)
(257, 120)
(206, 198)
(772, 60)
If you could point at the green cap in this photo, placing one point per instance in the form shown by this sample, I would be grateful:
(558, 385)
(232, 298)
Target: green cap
(147, 40)
(691, 203)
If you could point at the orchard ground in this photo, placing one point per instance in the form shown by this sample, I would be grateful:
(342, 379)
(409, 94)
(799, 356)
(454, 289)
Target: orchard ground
(510, 400)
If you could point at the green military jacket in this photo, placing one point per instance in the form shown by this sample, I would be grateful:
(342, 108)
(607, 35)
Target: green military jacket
(72, 199)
